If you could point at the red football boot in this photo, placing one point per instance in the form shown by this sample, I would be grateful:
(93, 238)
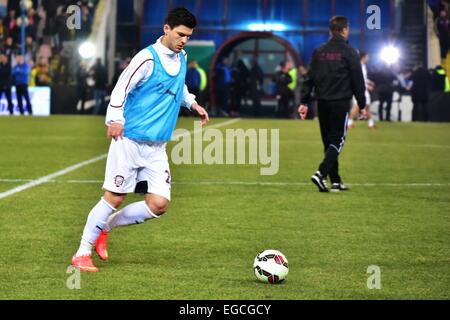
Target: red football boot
(84, 263)
(100, 245)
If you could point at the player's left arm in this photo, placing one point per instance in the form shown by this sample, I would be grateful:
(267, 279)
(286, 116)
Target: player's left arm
(189, 102)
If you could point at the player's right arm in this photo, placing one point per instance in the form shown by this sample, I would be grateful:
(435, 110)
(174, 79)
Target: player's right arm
(138, 71)
(307, 88)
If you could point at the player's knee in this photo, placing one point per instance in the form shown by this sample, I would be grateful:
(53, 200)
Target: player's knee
(158, 206)
(114, 199)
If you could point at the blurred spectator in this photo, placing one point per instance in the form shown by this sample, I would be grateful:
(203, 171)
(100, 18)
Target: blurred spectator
(420, 93)
(196, 81)
(443, 31)
(285, 96)
(31, 48)
(193, 78)
(256, 81)
(98, 72)
(21, 74)
(10, 49)
(439, 80)
(239, 87)
(33, 20)
(50, 7)
(43, 76)
(438, 5)
(10, 22)
(82, 75)
(2, 30)
(34, 71)
(5, 80)
(201, 99)
(385, 84)
(86, 22)
(122, 66)
(45, 51)
(293, 73)
(223, 82)
(63, 70)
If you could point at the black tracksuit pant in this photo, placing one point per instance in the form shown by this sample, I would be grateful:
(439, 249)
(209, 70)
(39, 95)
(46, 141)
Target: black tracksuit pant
(333, 117)
(7, 90)
(22, 92)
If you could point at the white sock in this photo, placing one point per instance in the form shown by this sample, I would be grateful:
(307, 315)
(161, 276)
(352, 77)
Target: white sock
(350, 122)
(371, 123)
(134, 213)
(95, 223)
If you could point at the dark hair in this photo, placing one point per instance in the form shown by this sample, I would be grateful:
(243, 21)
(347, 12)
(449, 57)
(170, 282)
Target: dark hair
(180, 17)
(337, 24)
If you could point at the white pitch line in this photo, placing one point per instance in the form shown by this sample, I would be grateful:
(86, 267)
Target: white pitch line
(50, 177)
(249, 183)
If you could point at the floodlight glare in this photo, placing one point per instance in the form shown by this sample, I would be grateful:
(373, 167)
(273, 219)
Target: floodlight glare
(87, 50)
(267, 27)
(390, 55)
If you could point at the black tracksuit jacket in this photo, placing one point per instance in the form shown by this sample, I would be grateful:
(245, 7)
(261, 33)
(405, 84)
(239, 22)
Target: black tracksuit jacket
(335, 74)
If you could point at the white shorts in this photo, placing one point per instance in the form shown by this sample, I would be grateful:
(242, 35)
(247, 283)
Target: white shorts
(130, 162)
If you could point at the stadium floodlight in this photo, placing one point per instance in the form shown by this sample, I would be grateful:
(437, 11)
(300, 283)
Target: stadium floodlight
(267, 27)
(390, 55)
(87, 50)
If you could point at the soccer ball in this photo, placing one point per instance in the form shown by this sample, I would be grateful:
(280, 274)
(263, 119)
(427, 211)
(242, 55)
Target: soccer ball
(270, 266)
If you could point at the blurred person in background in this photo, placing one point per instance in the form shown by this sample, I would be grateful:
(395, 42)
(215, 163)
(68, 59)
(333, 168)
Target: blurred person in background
(201, 99)
(81, 76)
(239, 87)
(385, 85)
(100, 75)
(5, 81)
(443, 31)
(21, 75)
(193, 78)
(43, 76)
(285, 96)
(256, 81)
(370, 86)
(223, 82)
(419, 89)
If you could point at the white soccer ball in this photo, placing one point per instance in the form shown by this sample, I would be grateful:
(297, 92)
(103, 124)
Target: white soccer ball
(271, 266)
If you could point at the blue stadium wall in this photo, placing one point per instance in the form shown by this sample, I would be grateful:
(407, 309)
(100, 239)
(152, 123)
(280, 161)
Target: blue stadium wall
(305, 21)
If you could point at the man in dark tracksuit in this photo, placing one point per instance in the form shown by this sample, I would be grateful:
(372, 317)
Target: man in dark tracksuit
(336, 76)
(5, 81)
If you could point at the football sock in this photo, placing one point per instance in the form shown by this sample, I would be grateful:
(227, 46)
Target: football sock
(371, 123)
(350, 122)
(95, 223)
(134, 213)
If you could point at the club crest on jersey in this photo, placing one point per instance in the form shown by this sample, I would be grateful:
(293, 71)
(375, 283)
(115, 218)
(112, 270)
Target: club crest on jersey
(118, 180)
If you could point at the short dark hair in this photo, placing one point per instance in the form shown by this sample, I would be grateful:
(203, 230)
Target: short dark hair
(180, 17)
(337, 24)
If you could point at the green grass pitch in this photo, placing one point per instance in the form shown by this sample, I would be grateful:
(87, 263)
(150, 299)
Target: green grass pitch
(396, 216)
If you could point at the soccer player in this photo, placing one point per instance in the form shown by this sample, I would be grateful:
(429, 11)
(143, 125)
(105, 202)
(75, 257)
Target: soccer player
(370, 86)
(336, 76)
(141, 118)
